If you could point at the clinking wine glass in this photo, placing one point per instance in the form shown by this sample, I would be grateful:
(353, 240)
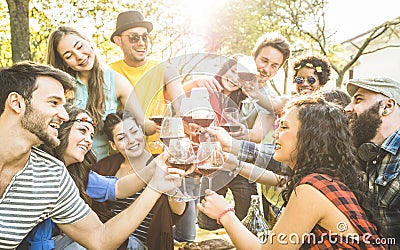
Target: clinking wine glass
(210, 159)
(230, 119)
(182, 157)
(203, 117)
(171, 128)
(247, 74)
(160, 109)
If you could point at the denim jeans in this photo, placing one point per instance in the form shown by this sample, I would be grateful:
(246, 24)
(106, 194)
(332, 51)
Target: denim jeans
(185, 229)
(241, 189)
(135, 244)
(63, 242)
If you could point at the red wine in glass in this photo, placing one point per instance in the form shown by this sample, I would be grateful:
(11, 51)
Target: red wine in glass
(203, 122)
(207, 169)
(231, 128)
(186, 166)
(157, 119)
(247, 76)
(166, 140)
(187, 118)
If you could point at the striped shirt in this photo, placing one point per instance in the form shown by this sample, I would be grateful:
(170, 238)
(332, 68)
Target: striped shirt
(42, 189)
(119, 205)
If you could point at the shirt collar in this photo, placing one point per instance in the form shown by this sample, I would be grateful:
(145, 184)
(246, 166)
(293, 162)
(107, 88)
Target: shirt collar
(392, 143)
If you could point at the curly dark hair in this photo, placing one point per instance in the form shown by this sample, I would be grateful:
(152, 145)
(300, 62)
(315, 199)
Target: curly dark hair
(315, 61)
(332, 153)
(79, 171)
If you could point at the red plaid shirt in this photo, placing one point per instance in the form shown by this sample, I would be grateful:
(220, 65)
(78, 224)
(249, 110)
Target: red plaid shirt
(345, 200)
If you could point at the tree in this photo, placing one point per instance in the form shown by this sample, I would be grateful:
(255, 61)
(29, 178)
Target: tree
(307, 17)
(19, 25)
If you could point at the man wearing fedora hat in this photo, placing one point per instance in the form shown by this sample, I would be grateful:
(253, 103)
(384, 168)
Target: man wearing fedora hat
(152, 81)
(375, 121)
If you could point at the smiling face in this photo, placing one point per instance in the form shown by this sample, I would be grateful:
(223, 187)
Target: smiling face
(306, 86)
(134, 51)
(76, 52)
(80, 140)
(128, 139)
(286, 138)
(229, 81)
(45, 114)
(268, 61)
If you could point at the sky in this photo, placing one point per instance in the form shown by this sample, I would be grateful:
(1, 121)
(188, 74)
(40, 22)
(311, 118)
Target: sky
(353, 17)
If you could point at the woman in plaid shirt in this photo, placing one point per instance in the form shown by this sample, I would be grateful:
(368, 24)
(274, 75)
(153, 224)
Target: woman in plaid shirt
(327, 206)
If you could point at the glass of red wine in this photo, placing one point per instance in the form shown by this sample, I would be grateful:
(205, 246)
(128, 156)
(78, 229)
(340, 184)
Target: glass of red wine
(230, 119)
(210, 159)
(171, 128)
(160, 109)
(182, 157)
(247, 75)
(203, 117)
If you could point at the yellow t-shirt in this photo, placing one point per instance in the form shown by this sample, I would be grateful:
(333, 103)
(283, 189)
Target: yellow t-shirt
(148, 82)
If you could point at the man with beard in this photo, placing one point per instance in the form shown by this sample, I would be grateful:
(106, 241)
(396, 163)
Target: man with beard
(375, 122)
(35, 186)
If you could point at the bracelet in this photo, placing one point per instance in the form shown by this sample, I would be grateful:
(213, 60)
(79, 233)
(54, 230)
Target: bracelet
(229, 209)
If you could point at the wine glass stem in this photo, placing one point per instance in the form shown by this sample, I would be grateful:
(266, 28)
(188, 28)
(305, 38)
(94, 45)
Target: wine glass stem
(184, 187)
(209, 182)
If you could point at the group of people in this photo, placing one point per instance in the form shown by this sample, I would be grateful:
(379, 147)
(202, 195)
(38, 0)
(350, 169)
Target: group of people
(81, 167)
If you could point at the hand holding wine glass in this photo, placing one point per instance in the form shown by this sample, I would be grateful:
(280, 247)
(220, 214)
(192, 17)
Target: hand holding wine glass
(210, 159)
(247, 75)
(171, 127)
(160, 109)
(182, 157)
(230, 119)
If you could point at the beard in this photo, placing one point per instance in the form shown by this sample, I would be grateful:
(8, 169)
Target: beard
(365, 125)
(34, 122)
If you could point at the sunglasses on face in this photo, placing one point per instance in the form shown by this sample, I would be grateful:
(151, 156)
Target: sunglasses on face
(134, 38)
(299, 80)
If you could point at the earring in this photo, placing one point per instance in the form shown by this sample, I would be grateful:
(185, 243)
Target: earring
(384, 112)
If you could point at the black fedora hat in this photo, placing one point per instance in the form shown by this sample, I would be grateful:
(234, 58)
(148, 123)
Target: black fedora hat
(130, 19)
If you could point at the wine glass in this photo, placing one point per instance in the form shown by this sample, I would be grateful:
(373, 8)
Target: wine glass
(203, 117)
(210, 159)
(247, 75)
(171, 127)
(230, 119)
(182, 157)
(160, 109)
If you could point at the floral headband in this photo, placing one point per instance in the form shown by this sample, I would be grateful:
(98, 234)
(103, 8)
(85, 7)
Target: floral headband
(85, 119)
(309, 65)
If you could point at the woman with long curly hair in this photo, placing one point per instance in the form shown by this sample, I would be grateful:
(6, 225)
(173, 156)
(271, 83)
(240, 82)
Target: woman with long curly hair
(327, 203)
(99, 89)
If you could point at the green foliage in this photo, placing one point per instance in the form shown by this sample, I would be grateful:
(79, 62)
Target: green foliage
(232, 27)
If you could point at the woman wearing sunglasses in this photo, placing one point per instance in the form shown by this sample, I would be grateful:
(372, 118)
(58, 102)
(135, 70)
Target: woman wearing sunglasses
(311, 72)
(99, 89)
